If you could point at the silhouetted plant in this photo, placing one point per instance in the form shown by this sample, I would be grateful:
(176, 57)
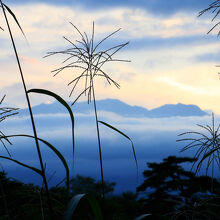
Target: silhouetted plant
(6, 112)
(85, 56)
(6, 9)
(215, 10)
(162, 178)
(207, 144)
(201, 209)
(172, 191)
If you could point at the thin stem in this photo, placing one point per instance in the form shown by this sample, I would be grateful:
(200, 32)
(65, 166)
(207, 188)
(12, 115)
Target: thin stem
(98, 135)
(30, 111)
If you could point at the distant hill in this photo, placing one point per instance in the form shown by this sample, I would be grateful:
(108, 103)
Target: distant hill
(177, 110)
(121, 108)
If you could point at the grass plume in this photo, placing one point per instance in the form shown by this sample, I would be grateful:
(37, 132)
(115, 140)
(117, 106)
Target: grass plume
(85, 56)
(207, 144)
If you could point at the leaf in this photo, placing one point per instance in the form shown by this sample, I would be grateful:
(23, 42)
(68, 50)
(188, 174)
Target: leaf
(207, 155)
(13, 15)
(64, 103)
(142, 216)
(78, 200)
(22, 164)
(53, 149)
(120, 132)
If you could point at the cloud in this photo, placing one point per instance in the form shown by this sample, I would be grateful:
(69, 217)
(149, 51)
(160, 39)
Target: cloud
(85, 124)
(158, 7)
(213, 57)
(188, 88)
(29, 60)
(160, 43)
(135, 22)
(159, 47)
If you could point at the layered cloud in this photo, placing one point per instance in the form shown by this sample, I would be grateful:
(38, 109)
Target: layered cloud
(153, 138)
(158, 7)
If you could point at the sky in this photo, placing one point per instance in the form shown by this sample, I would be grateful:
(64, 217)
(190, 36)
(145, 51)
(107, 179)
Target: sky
(173, 60)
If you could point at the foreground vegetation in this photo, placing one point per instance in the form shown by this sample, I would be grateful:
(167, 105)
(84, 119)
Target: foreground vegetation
(168, 192)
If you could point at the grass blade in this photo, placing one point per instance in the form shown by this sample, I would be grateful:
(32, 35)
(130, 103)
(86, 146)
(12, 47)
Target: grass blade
(78, 200)
(208, 155)
(53, 149)
(22, 164)
(64, 103)
(4, 8)
(13, 15)
(120, 132)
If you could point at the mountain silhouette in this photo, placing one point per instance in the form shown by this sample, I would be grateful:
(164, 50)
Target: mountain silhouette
(118, 107)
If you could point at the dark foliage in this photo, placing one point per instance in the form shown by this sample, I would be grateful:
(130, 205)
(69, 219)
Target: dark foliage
(172, 191)
(18, 200)
(168, 192)
(81, 184)
(121, 207)
(25, 201)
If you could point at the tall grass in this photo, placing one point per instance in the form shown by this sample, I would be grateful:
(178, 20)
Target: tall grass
(4, 9)
(206, 143)
(85, 56)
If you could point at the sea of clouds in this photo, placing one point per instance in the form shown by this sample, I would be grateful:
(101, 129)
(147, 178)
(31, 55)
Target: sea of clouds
(153, 138)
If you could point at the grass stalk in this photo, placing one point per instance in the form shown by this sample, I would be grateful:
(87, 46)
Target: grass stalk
(99, 141)
(89, 59)
(207, 143)
(30, 111)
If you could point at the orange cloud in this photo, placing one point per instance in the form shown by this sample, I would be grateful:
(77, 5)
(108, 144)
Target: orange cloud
(29, 60)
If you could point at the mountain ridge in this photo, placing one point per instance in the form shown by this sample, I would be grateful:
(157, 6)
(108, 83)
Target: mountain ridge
(121, 108)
